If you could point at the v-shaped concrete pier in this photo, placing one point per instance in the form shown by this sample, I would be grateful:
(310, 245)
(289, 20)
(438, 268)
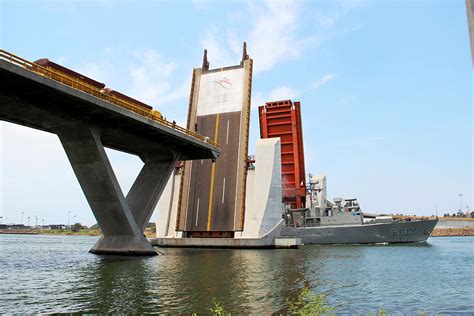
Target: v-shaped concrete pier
(84, 125)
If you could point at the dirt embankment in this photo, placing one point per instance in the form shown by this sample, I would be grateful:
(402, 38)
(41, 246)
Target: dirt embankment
(150, 232)
(439, 232)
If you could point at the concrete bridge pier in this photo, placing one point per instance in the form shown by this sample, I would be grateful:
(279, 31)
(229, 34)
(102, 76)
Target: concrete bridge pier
(121, 219)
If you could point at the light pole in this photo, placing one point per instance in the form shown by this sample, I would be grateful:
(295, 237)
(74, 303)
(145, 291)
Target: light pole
(68, 215)
(43, 222)
(28, 221)
(22, 217)
(460, 201)
(36, 221)
(74, 221)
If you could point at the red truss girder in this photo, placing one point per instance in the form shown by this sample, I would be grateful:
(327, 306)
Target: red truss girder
(283, 119)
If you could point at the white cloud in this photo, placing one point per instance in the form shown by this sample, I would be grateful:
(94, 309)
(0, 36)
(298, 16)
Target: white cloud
(201, 4)
(326, 78)
(276, 94)
(37, 177)
(273, 35)
(177, 93)
(94, 70)
(287, 93)
(335, 13)
(34, 164)
(148, 77)
(257, 99)
(218, 54)
(273, 31)
(61, 60)
(282, 93)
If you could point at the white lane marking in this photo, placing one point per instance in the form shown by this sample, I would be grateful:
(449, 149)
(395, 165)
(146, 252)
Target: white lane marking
(227, 137)
(223, 191)
(197, 213)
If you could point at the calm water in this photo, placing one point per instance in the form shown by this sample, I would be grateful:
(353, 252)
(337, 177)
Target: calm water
(47, 274)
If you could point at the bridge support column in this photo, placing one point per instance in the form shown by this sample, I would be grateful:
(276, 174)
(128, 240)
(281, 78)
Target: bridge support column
(122, 220)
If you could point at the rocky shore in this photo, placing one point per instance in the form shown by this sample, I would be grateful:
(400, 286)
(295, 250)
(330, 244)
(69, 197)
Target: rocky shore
(439, 232)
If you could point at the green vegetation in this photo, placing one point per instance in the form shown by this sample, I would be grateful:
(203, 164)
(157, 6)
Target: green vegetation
(71, 232)
(77, 227)
(309, 303)
(380, 313)
(218, 309)
(79, 230)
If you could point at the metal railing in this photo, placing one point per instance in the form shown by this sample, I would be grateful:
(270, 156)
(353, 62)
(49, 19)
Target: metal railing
(86, 88)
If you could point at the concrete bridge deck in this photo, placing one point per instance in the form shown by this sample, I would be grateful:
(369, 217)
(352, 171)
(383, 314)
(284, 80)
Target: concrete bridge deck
(32, 100)
(85, 124)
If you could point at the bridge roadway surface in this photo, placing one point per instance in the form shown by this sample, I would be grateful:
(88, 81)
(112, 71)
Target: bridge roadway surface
(84, 125)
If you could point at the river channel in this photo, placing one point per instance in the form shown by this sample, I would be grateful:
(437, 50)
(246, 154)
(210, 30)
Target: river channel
(49, 274)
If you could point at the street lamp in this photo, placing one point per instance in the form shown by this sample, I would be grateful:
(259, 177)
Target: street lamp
(460, 201)
(43, 222)
(36, 221)
(22, 217)
(74, 221)
(28, 221)
(68, 215)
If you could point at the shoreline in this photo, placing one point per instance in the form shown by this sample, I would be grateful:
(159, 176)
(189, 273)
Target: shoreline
(64, 232)
(452, 232)
(437, 232)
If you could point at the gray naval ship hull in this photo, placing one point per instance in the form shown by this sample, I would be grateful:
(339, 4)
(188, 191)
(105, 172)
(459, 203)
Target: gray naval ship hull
(392, 232)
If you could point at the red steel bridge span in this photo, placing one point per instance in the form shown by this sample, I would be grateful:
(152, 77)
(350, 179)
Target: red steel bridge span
(86, 120)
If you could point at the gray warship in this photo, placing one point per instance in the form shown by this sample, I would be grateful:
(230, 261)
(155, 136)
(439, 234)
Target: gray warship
(343, 222)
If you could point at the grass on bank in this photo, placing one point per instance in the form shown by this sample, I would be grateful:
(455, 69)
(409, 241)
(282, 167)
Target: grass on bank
(150, 232)
(70, 232)
(306, 303)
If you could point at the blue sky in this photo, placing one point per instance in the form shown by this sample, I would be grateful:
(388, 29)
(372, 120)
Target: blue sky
(385, 86)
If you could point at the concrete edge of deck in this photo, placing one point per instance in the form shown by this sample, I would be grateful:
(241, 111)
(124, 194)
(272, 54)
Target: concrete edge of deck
(243, 243)
(106, 106)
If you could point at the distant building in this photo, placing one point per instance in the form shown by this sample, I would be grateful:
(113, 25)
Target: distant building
(58, 226)
(14, 226)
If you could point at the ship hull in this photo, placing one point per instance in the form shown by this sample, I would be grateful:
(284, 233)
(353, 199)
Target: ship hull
(393, 232)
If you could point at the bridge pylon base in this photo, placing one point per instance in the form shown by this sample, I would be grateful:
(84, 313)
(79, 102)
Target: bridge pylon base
(121, 219)
(123, 245)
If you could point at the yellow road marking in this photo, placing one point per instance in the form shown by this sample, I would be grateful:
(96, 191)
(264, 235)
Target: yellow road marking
(213, 168)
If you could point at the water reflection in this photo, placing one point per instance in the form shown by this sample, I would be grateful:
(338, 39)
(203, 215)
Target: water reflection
(113, 284)
(243, 281)
(57, 274)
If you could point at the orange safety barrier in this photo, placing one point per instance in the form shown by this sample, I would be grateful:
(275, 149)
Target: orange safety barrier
(86, 88)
